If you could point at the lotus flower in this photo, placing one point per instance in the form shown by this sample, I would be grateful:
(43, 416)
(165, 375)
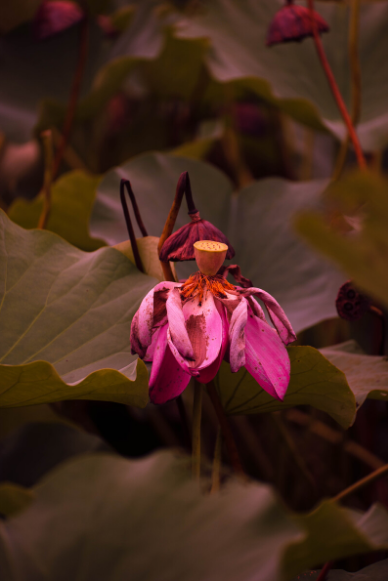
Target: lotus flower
(187, 329)
(55, 17)
(293, 23)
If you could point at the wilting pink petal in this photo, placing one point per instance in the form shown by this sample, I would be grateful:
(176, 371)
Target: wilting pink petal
(179, 358)
(177, 325)
(276, 313)
(266, 357)
(238, 322)
(167, 380)
(143, 321)
(209, 373)
(204, 326)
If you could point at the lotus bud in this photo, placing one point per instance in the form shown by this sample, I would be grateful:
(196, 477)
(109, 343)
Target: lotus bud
(55, 17)
(293, 23)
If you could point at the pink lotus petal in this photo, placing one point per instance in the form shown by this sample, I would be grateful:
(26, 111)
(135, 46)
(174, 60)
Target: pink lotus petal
(238, 322)
(204, 326)
(209, 373)
(179, 358)
(143, 321)
(177, 325)
(276, 313)
(167, 380)
(266, 357)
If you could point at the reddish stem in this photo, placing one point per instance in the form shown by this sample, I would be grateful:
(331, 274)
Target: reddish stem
(335, 90)
(131, 232)
(325, 570)
(135, 207)
(75, 89)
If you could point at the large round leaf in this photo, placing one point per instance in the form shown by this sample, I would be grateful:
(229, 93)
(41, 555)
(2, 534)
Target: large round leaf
(314, 381)
(72, 198)
(362, 253)
(257, 222)
(65, 319)
(115, 519)
(367, 374)
(290, 75)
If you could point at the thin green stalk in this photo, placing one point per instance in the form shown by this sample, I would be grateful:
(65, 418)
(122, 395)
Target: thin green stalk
(361, 483)
(196, 439)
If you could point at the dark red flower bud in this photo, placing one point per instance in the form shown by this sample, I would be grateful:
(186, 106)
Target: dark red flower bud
(351, 304)
(293, 23)
(54, 17)
(108, 28)
(179, 246)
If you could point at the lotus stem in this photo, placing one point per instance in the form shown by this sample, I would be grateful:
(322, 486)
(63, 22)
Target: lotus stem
(183, 186)
(217, 460)
(326, 568)
(226, 431)
(197, 416)
(131, 232)
(335, 90)
(74, 94)
(135, 207)
(355, 70)
(47, 140)
(184, 421)
(361, 483)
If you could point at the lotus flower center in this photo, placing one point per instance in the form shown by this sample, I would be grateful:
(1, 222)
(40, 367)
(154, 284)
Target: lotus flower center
(209, 256)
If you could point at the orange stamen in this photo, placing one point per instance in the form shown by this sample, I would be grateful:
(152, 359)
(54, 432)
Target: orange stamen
(197, 284)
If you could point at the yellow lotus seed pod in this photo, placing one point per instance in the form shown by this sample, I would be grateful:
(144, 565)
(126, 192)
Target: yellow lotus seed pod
(209, 256)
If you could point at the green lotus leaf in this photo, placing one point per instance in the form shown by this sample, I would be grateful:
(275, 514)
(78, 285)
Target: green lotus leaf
(363, 253)
(290, 75)
(72, 199)
(154, 520)
(65, 320)
(367, 375)
(314, 381)
(257, 221)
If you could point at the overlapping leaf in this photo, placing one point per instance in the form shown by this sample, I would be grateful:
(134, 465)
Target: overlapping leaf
(65, 320)
(362, 253)
(155, 523)
(314, 381)
(290, 75)
(367, 375)
(72, 199)
(257, 221)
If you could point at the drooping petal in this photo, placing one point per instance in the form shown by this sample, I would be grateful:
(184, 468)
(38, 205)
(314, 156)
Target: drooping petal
(238, 322)
(178, 357)
(177, 325)
(209, 373)
(276, 313)
(167, 380)
(204, 326)
(143, 321)
(266, 357)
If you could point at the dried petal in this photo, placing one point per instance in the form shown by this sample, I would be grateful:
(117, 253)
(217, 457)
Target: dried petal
(179, 246)
(293, 23)
(52, 18)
